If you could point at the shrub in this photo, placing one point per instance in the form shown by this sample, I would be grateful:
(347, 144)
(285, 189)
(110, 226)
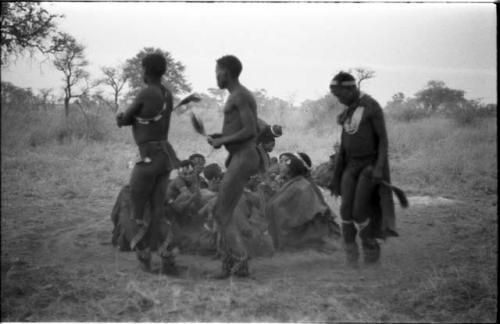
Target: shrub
(406, 111)
(469, 112)
(77, 126)
(34, 127)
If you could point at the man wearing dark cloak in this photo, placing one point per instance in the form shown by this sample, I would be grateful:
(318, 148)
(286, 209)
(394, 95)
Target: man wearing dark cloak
(367, 208)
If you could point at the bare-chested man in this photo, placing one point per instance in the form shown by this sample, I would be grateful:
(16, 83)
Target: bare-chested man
(239, 136)
(149, 116)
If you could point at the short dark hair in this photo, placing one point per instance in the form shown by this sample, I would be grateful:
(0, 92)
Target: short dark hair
(343, 76)
(232, 64)
(212, 171)
(154, 64)
(185, 163)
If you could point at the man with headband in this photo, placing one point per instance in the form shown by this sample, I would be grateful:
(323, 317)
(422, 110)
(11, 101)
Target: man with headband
(367, 208)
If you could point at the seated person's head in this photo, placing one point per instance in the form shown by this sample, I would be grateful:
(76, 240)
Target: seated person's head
(268, 135)
(198, 162)
(253, 182)
(213, 174)
(269, 145)
(186, 171)
(274, 160)
(294, 164)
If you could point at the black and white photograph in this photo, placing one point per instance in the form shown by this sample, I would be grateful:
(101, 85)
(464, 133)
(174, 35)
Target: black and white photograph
(249, 161)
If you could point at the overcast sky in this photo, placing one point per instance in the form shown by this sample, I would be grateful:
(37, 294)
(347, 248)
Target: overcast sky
(291, 49)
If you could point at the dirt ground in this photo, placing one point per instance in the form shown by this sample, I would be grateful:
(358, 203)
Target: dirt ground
(58, 265)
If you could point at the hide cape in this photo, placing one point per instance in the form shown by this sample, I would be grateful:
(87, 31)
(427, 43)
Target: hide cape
(299, 217)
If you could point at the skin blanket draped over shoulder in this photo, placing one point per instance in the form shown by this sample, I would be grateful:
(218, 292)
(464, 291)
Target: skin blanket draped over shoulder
(298, 214)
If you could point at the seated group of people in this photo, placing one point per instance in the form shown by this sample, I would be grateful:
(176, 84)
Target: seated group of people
(281, 207)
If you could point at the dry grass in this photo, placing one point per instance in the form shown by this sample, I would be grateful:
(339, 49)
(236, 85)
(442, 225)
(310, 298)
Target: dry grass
(433, 156)
(57, 195)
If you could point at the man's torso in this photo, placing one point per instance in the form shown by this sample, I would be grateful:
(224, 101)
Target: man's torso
(359, 137)
(232, 119)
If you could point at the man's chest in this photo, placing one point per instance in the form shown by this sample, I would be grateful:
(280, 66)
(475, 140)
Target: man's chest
(359, 118)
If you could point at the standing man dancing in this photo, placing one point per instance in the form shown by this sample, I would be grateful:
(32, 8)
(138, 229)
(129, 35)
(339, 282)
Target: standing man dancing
(367, 207)
(149, 116)
(239, 136)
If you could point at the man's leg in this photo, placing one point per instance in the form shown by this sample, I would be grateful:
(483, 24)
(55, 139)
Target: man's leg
(242, 166)
(142, 184)
(163, 231)
(348, 189)
(362, 215)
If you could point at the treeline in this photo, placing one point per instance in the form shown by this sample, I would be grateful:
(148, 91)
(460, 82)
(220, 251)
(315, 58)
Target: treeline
(437, 99)
(26, 26)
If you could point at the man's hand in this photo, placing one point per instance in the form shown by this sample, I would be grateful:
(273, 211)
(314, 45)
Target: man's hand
(215, 141)
(334, 190)
(119, 119)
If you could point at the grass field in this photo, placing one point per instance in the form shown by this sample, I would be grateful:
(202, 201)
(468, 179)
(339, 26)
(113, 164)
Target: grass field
(58, 188)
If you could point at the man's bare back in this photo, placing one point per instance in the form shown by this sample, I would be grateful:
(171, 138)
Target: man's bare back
(149, 104)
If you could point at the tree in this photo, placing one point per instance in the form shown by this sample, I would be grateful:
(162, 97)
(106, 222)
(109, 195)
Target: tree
(362, 74)
(397, 101)
(219, 94)
(437, 94)
(27, 26)
(16, 99)
(174, 76)
(45, 96)
(116, 79)
(71, 62)
(322, 112)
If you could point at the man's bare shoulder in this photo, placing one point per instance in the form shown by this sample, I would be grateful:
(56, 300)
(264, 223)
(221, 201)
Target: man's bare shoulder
(242, 96)
(150, 92)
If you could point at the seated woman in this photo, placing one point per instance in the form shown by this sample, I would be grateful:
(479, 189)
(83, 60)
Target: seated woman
(298, 214)
(184, 200)
(198, 162)
(183, 194)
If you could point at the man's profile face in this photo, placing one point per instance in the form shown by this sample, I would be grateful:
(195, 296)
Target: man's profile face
(144, 75)
(221, 75)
